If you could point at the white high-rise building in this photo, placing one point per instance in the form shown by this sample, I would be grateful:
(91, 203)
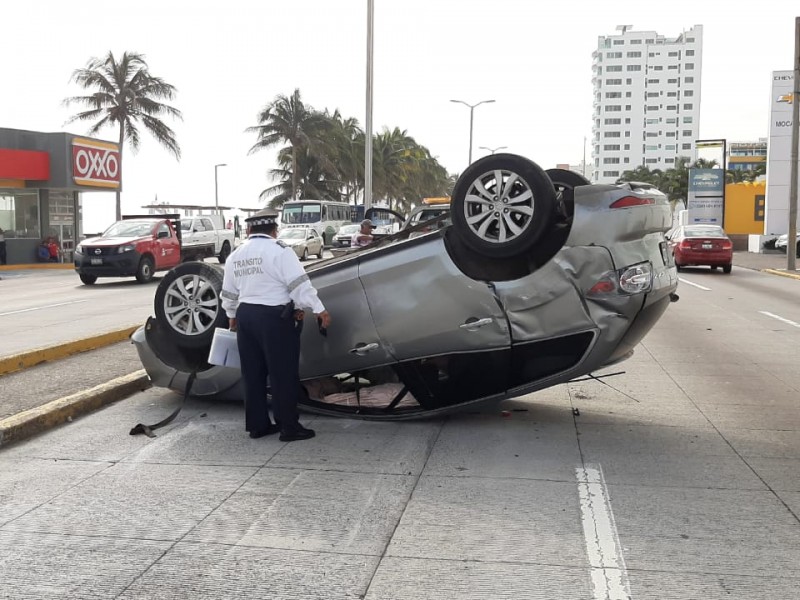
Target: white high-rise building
(646, 100)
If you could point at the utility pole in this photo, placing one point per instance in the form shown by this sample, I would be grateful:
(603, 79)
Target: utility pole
(791, 242)
(368, 131)
(583, 165)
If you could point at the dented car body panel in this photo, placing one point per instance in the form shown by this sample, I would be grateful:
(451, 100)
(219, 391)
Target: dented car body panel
(449, 324)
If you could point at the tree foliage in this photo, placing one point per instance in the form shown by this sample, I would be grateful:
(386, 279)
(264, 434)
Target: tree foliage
(322, 157)
(126, 95)
(675, 182)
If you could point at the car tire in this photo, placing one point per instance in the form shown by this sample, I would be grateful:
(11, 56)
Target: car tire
(564, 183)
(188, 320)
(224, 253)
(305, 255)
(87, 279)
(524, 211)
(727, 269)
(144, 272)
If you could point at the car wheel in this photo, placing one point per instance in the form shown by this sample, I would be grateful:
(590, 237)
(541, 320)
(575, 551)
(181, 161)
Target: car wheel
(144, 272)
(187, 303)
(224, 253)
(502, 205)
(564, 183)
(727, 268)
(88, 279)
(305, 254)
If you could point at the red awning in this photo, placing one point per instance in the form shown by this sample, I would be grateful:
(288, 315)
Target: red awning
(24, 164)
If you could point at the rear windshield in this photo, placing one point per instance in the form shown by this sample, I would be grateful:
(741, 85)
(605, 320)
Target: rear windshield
(703, 231)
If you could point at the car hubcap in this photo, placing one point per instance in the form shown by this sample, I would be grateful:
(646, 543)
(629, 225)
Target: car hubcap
(191, 305)
(499, 206)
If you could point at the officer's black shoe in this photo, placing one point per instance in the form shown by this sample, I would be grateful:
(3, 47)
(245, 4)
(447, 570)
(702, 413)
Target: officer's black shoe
(271, 428)
(296, 434)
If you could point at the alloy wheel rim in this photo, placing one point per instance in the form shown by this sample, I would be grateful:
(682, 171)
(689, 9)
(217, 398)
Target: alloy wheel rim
(499, 206)
(191, 305)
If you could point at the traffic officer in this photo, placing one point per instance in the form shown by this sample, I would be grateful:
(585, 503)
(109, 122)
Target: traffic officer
(264, 282)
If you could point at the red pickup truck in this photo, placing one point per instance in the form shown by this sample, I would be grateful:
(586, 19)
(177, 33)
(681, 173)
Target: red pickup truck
(137, 245)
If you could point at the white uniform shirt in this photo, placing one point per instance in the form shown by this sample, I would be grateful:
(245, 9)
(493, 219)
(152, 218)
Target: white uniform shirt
(264, 271)
(356, 243)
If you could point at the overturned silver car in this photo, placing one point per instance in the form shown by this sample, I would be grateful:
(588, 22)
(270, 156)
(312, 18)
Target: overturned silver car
(540, 278)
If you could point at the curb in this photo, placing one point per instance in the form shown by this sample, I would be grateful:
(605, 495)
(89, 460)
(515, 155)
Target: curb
(56, 412)
(27, 267)
(17, 362)
(782, 273)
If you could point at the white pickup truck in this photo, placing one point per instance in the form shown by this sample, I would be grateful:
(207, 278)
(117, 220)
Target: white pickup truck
(201, 239)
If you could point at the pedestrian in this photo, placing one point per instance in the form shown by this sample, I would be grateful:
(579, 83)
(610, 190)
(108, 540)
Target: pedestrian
(263, 283)
(52, 249)
(363, 236)
(2, 247)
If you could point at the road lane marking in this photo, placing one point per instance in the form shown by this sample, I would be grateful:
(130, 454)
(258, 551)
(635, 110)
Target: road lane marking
(697, 285)
(16, 312)
(787, 321)
(608, 571)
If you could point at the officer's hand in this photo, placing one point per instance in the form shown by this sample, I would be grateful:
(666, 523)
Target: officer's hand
(232, 324)
(324, 319)
(299, 315)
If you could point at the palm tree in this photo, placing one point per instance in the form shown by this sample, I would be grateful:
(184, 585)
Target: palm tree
(288, 119)
(127, 95)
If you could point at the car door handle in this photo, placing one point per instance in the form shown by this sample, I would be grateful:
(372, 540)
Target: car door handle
(471, 325)
(362, 349)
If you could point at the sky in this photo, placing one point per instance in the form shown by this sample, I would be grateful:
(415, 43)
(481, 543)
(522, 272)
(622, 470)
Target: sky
(229, 60)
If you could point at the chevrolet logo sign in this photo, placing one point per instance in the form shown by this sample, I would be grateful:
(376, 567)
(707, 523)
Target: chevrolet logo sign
(786, 98)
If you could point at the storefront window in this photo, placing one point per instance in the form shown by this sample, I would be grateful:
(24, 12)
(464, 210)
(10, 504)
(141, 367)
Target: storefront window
(19, 213)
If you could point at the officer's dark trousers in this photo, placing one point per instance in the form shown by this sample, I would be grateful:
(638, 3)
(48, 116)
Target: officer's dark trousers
(268, 346)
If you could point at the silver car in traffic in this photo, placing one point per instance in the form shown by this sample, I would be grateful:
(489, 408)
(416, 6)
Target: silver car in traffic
(541, 278)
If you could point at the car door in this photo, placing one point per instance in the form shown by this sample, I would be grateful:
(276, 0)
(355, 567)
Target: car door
(352, 343)
(314, 243)
(423, 305)
(167, 252)
(210, 234)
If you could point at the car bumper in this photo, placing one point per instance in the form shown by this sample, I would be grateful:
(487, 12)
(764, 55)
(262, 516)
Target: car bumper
(210, 381)
(111, 265)
(702, 258)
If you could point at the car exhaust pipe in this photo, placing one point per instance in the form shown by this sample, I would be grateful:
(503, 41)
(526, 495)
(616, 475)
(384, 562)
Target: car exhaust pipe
(673, 297)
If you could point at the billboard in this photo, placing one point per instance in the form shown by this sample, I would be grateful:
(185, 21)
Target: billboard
(779, 153)
(95, 163)
(706, 201)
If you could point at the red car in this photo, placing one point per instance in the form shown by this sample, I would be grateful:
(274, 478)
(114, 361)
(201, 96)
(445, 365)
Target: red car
(701, 245)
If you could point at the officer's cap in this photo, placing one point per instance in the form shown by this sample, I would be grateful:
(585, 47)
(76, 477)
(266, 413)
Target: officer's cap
(268, 216)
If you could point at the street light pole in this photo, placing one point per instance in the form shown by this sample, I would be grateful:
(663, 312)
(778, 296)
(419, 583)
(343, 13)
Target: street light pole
(471, 111)
(216, 187)
(492, 150)
(368, 131)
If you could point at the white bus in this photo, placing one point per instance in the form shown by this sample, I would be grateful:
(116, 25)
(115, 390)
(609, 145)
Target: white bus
(325, 216)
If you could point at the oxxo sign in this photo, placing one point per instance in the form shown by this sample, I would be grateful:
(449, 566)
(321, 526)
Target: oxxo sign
(95, 163)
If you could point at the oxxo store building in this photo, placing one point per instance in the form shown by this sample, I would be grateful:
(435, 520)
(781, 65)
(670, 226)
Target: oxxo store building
(41, 178)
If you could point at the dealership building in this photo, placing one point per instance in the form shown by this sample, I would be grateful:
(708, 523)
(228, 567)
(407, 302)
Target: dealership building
(42, 176)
